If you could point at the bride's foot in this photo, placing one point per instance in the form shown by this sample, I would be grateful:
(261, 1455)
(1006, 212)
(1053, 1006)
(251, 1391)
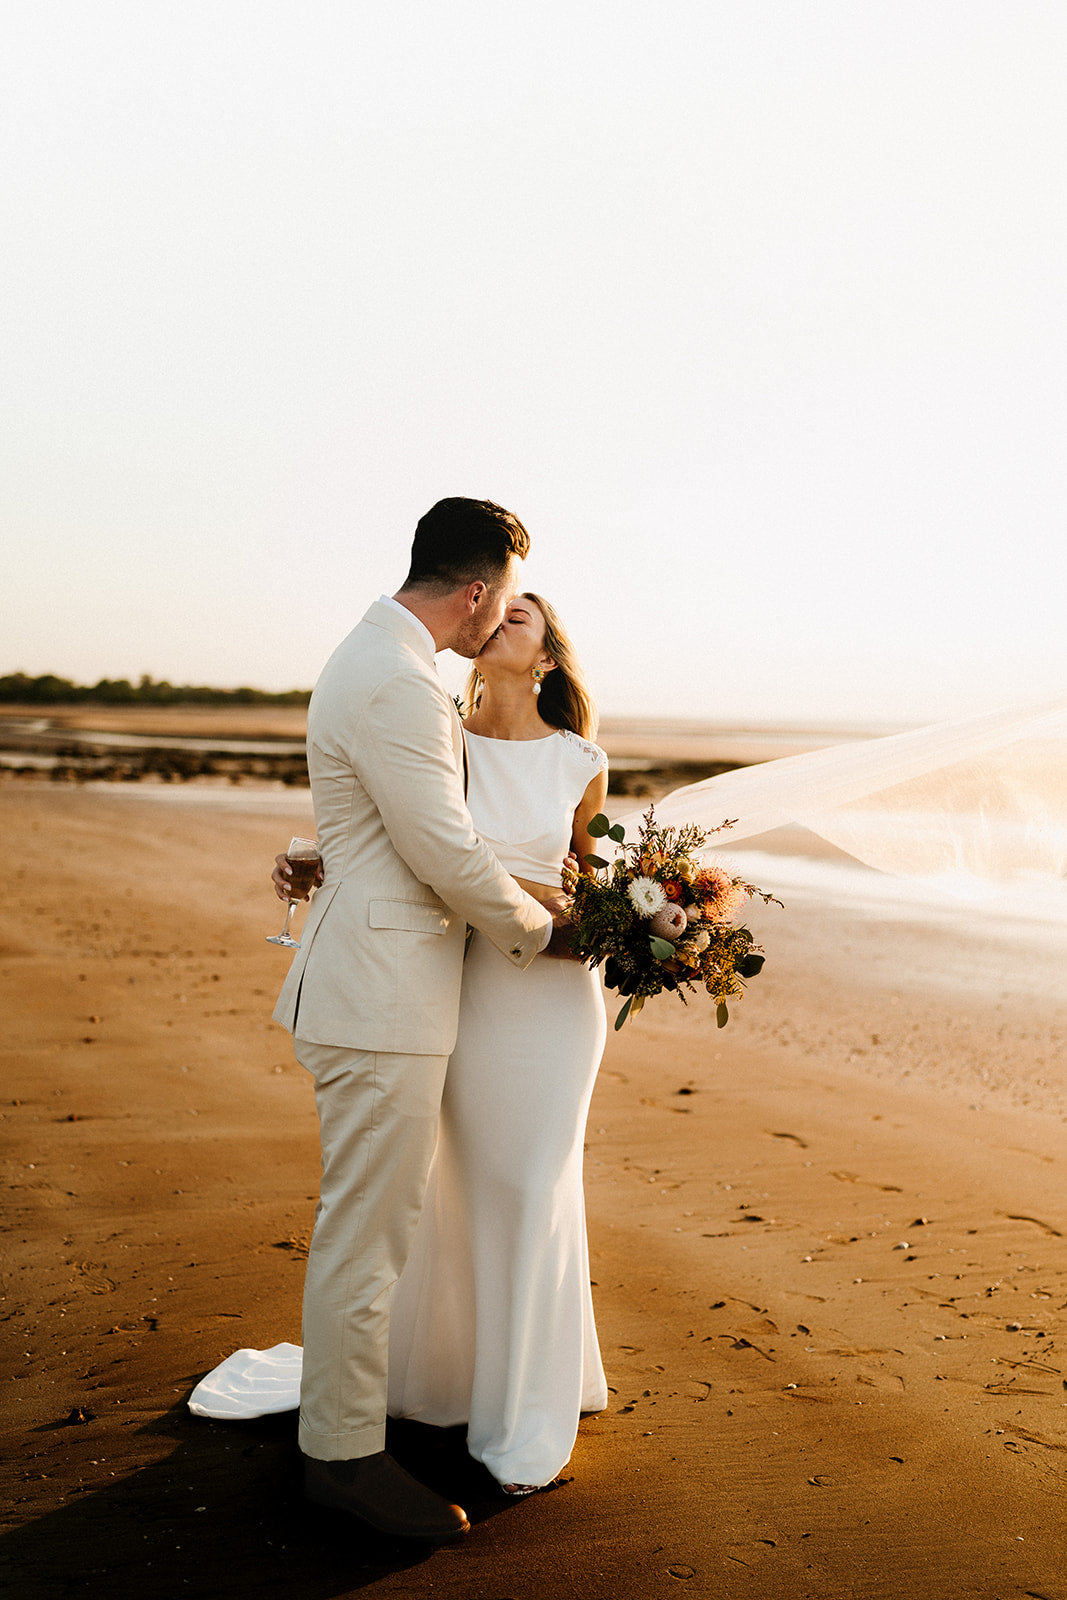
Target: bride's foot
(516, 1491)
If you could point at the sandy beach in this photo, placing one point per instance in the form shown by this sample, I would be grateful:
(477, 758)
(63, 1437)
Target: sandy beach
(828, 1244)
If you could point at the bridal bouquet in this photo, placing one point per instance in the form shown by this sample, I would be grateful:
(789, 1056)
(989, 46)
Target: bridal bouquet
(659, 919)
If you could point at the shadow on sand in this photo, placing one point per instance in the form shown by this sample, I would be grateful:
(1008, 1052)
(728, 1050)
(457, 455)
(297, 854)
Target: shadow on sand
(224, 1515)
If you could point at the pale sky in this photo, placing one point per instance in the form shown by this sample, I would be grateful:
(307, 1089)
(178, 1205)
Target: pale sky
(753, 312)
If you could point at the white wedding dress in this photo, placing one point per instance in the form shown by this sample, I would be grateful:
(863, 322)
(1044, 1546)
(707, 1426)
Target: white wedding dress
(492, 1320)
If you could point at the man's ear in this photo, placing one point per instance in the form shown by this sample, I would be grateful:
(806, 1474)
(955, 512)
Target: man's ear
(474, 594)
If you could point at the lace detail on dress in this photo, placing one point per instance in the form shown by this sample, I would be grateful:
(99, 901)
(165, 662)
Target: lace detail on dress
(587, 752)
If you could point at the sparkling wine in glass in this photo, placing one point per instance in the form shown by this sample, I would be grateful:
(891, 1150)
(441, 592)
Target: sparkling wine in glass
(303, 857)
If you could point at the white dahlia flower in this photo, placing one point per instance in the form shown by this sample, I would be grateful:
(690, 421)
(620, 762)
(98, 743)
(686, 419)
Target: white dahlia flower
(646, 896)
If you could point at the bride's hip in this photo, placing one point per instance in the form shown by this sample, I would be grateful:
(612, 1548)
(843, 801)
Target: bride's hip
(552, 1009)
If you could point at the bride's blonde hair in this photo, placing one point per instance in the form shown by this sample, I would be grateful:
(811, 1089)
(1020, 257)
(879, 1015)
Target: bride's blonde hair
(564, 701)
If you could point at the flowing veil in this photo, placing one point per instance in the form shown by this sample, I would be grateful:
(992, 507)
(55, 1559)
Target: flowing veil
(965, 803)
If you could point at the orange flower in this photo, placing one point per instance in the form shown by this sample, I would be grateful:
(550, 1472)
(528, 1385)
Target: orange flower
(673, 889)
(716, 894)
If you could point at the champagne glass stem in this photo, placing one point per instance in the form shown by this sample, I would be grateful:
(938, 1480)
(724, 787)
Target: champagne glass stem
(284, 938)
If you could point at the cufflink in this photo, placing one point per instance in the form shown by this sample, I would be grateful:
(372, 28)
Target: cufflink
(517, 951)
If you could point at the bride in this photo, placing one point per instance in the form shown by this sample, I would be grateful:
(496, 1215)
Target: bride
(491, 1322)
(492, 1319)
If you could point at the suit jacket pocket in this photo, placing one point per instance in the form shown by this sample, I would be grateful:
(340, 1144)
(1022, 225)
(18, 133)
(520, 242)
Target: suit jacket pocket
(409, 916)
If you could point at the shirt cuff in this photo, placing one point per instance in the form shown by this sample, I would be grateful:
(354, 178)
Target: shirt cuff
(547, 937)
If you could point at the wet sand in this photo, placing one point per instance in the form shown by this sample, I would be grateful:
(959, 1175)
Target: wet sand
(632, 742)
(828, 1246)
(185, 719)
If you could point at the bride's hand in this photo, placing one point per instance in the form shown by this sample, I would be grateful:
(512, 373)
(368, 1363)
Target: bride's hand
(281, 875)
(571, 869)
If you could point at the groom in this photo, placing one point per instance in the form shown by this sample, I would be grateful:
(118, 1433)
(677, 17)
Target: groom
(372, 997)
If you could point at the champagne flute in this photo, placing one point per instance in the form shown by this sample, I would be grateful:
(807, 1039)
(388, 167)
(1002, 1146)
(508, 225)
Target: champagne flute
(303, 856)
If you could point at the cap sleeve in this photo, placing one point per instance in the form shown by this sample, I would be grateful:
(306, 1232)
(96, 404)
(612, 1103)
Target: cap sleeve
(587, 758)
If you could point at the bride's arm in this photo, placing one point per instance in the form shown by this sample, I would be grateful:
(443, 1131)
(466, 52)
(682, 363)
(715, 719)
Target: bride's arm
(540, 891)
(593, 801)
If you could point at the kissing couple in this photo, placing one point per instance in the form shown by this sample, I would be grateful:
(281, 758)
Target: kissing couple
(448, 1276)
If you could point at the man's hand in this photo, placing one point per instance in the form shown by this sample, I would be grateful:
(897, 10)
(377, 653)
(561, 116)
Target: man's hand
(281, 875)
(559, 945)
(561, 908)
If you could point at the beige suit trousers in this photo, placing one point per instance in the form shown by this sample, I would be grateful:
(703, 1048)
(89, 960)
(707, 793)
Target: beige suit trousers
(378, 1120)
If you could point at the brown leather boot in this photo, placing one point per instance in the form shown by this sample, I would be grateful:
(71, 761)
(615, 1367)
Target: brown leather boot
(378, 1490)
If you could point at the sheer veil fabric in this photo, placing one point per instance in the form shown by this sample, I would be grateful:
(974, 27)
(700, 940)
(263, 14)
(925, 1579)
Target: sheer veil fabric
(962, 804)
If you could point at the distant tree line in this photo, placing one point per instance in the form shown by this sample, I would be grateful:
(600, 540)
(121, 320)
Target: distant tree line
(19, 687)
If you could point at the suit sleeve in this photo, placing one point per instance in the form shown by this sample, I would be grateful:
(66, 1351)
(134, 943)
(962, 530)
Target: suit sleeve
(405, 759)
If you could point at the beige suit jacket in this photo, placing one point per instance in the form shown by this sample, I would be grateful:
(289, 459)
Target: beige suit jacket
(381, 953)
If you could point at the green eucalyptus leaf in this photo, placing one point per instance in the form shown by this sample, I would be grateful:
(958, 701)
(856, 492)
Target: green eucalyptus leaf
(662, 949)
(594, 861)
(751, 965)
(722, 1016)
(623, 1014)
(598, 827)
(618, 833)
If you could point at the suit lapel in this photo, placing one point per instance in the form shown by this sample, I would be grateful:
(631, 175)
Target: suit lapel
(459, 744)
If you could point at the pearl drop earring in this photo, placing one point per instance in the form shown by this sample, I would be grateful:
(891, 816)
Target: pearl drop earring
(538, 675)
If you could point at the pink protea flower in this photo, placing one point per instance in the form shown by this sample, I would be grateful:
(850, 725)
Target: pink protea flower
(669, 923)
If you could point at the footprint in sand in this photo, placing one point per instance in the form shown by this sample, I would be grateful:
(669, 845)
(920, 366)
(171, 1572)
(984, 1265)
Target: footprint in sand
(94, 1279)
(862, 1350)
(1016, 1216)
(739, 1342)
(1036, 1438)
(870, 1183)
(764, 1325)
(43, 1193)
(299, 1245)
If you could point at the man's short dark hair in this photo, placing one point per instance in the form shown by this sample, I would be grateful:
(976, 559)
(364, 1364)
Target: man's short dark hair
(462, 541)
